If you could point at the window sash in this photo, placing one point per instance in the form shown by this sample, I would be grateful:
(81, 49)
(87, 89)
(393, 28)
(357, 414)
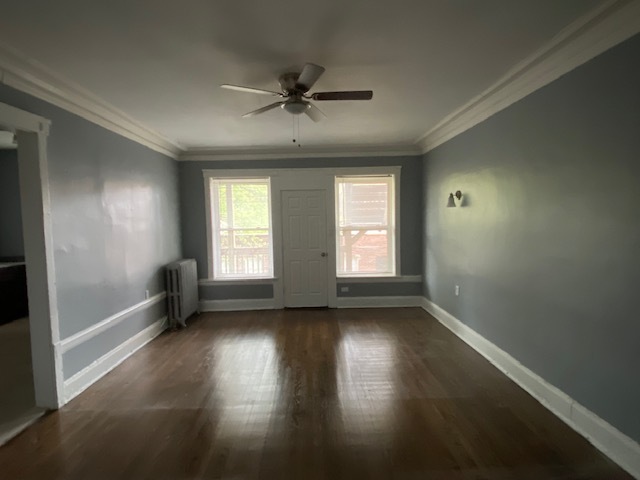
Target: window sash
(233, 262)
(343, 269)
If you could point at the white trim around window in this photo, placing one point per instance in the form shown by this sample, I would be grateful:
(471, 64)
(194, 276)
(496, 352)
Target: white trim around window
(299, 179)
(259, 263)
(388, 223)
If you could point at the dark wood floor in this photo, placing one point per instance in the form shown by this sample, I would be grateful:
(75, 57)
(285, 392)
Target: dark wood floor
(305, 394)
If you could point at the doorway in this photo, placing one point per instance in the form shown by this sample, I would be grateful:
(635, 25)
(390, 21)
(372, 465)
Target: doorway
(39, 333)
(17, 396)
(305, 256)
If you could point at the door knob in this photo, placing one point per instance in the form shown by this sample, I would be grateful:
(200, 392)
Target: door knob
(323, 254)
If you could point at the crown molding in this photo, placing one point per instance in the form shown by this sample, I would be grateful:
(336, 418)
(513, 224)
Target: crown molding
(220, 154)
(29, 76)
(604, 27)
(592, 34)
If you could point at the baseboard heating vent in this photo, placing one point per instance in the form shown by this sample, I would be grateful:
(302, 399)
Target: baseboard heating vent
(182, 291)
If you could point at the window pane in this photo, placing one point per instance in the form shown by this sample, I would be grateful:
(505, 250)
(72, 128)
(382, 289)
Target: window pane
(223, 202)
(224, 239)
(241, 228)
(251, 239)
(364, 203)
(365, 225)
(250, 205)
(364, 251)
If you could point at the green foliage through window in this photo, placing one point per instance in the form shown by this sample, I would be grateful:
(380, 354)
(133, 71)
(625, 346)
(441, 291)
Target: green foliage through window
(242, 228)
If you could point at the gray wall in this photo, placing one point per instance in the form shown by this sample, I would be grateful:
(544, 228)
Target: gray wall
(76, 358)
(547, 248)
(115, 219)
(382, 289)
(233, 292)
(11, 244)
(194, 233)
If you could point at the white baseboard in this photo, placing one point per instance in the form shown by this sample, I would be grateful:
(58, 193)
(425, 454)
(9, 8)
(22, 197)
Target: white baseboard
(91, 374)
(616, 445)
(343, 302)
(379, 302)
(237, 305)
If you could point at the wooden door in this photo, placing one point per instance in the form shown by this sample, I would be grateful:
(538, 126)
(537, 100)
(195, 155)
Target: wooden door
(304, 223)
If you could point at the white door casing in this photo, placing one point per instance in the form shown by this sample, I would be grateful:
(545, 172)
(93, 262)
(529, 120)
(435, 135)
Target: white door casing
(304, 225)
(32, 131)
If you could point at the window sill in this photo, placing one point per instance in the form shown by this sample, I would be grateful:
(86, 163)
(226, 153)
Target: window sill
(390, 279)
(237, 281)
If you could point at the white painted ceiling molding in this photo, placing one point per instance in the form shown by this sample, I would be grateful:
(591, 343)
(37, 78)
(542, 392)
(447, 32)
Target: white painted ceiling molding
(213, 154)
(589, 36)
(30, 77)
(595, 32)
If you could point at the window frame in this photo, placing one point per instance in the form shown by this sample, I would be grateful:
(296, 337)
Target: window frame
(213, 230)
(393, 224)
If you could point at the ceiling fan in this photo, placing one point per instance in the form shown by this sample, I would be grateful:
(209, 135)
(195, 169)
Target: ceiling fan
(295, 96)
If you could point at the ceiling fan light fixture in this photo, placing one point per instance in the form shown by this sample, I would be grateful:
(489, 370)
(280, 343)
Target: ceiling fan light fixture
(295, 108)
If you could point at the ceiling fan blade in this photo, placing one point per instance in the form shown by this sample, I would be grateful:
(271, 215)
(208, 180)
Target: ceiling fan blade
(309, 76)
(353, 95)
(314, 113)
(262, 110)
(259, 91)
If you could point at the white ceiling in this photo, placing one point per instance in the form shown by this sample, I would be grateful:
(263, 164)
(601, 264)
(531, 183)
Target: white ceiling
(161, 61)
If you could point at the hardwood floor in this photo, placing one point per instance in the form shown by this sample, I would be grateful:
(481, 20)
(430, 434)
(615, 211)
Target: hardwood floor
(17, 396)
(305, 394)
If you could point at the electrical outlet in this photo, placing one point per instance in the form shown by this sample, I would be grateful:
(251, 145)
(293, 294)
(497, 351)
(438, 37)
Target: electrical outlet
(344, 289)
(457, 290)
(146, 294)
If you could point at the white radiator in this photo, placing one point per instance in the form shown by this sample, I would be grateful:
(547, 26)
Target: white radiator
(182, 291)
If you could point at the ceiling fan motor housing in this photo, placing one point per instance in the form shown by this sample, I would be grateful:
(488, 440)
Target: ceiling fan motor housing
(289, 83)
(295, 104)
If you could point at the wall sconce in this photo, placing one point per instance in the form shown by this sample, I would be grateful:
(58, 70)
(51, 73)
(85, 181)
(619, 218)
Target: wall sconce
(452, 202)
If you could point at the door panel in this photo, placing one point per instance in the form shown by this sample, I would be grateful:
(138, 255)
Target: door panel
(316, 281)
(314, 225)
(294, 235)
(304, 248)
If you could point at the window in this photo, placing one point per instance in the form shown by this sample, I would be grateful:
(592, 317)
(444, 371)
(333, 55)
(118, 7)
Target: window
(241, 228)
(365, 217)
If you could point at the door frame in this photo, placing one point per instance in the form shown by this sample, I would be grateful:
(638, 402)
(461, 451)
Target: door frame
(307, 179)
(32, 131)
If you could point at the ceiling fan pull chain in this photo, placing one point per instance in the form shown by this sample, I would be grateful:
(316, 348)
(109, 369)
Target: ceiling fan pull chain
(293, 129)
